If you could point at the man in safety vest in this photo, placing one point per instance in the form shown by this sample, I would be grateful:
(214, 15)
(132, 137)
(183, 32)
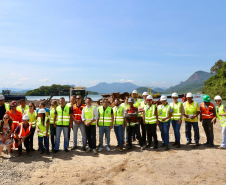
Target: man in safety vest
(150, 120)
(22, 107)
(125, 105)
(105, 123)
(15, 116)
(207, 115)
(221, 116)
(78, 123)
(4, 107)
(176, 119)
(71, 104)
(89, 117)
(21, 134)
(131, 115)
(191, 113)
(63, 115)
(137, 103)
(119, 123)
(143, 126)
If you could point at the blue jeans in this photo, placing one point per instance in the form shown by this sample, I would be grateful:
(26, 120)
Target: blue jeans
(58, 133)
(164, 128)
(104, 130)
(223, 131)
(188, 130)
(46, 141)
(53, 135)
(176, 129)
(119, 134)
(81, 126)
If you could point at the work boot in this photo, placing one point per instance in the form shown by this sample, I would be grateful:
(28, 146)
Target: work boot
(188, 143)
(175, 143)
(129, 147)
(47, 152)
(74, 147)
(197, 143)
(163, 144)
(210, 145)
(167, 147)
(42, 151)
(206, 143)
(178, 145)
(155, 147)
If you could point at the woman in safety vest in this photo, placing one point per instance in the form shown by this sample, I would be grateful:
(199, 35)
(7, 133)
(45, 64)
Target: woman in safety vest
(6, 129)
(164, 114)
(54, 104)
(43, 130)
(221, 113)
(31, 112)
(150, 120)
(178, 111)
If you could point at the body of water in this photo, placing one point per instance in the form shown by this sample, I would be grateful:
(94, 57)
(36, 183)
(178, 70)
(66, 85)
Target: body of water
(97, 97)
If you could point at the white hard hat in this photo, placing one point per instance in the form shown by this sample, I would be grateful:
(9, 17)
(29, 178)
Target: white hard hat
(174, 94)
(189, 95)
(42, 111)
(26, 117)
(2, 97)
(217, 98)
(149, 97)
(145, 93)
(163, 97)
(130, 100)
(135, 91)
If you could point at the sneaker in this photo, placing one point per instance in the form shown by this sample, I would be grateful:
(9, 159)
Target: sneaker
(117, 146)
(66, 150)
(100, 149)
(148, 146)
(88, 149)
(188, 143)
(142, 148)
(167, 147)
(10, 155)
(121, 149)
(127, 144)
(108, 149)
(94, 151)
(220, 147)
(197, 143)
(74, 147)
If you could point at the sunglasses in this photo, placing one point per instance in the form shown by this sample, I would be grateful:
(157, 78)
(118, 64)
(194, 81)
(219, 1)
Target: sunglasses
(13, 106)
(175, 98)
(149, 100)
(30, 106)
(5, 118)
(77, 98)
(217, 100)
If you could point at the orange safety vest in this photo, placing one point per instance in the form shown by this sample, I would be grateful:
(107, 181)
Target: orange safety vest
(17, 116)
(133, 119)
(77, 111)
(207, 113)
(22, 132)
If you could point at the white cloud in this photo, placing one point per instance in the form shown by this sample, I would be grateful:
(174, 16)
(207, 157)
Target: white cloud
(123, 80)
(44, 80)
(23, 79)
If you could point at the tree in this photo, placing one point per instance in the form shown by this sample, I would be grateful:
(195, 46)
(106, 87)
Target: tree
(217, 66)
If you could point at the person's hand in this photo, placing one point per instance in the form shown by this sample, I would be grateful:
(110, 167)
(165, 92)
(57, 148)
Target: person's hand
(193, 117)
(54, 125)
(186, 116)
(179, 121)
(213, 121)
(144, 122)
(19, 142)
(200, 119)
(157, 122)
(71, 125)
(111, 126)
(23, 139)
(163, 119)
(47, 135)
(123, 126)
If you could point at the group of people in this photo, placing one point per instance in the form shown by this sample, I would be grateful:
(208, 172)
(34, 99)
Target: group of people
(135, 119)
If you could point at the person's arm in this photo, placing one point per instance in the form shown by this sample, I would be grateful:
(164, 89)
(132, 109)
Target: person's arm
(98, 119)
(123, 113)
(157, 116)
(2, 138)
(144, 117)
(181, 115)
(135, 113)
(126, 115)
(112, 119)
(83, 115)
(12, 129)
(47, 129)
(55, 117)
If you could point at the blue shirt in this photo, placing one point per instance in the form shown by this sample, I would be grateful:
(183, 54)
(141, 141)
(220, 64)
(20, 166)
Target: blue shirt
(47, 111)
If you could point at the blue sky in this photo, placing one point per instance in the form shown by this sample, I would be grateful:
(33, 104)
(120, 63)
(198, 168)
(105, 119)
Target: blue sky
(149, 43)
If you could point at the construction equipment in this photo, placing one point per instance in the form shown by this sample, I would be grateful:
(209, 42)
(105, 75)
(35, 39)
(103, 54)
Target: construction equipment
(9, 97)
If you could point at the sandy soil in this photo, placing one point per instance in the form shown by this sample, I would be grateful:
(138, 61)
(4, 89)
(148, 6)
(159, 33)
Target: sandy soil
(186, 165)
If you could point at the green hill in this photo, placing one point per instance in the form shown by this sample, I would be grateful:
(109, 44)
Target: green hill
(216, 84)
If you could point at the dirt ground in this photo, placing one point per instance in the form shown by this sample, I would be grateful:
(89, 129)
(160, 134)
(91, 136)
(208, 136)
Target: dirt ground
(186, 165)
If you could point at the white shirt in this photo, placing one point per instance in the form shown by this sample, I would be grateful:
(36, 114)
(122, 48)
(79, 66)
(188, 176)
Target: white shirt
(95, 113)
